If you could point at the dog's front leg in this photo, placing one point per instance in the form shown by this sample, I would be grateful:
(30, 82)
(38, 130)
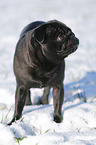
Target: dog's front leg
(58, 96)
(20, 98)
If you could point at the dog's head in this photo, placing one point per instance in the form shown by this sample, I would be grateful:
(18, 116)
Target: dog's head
(56, 40)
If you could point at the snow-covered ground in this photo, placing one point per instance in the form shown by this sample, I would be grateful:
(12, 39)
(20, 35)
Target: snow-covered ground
(36, 127)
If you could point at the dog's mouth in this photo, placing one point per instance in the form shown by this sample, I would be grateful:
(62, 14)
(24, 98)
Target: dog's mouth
(71, 44)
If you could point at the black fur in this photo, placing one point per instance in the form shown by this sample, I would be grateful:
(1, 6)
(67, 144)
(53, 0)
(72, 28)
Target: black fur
(39, 62)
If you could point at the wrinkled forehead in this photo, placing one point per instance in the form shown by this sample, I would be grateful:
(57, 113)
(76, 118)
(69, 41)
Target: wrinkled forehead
(58, 25)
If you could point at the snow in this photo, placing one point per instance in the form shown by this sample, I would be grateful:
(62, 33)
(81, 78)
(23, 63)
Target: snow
(36, 127)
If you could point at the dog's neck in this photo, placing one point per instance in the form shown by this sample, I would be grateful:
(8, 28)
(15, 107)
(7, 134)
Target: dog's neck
(40, 57)
(38, 60)
(44, 61)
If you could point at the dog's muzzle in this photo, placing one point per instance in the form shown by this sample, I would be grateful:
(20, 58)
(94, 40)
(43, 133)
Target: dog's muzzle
(70, 45)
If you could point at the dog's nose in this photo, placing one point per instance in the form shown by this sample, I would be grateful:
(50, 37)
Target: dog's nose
(77, 40)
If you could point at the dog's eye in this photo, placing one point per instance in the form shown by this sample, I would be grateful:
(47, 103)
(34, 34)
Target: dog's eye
(61, 37)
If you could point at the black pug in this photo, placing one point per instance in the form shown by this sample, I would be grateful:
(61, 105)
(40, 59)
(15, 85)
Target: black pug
(39, 62)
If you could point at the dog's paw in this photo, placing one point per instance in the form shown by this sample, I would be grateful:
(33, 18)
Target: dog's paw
(15, 118)
(58, 118)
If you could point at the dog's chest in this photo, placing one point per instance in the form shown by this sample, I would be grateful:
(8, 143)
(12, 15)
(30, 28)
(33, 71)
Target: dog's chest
(41, 77)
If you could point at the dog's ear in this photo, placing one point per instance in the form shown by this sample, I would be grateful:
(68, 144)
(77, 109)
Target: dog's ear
(42, 31)
(39, 34)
